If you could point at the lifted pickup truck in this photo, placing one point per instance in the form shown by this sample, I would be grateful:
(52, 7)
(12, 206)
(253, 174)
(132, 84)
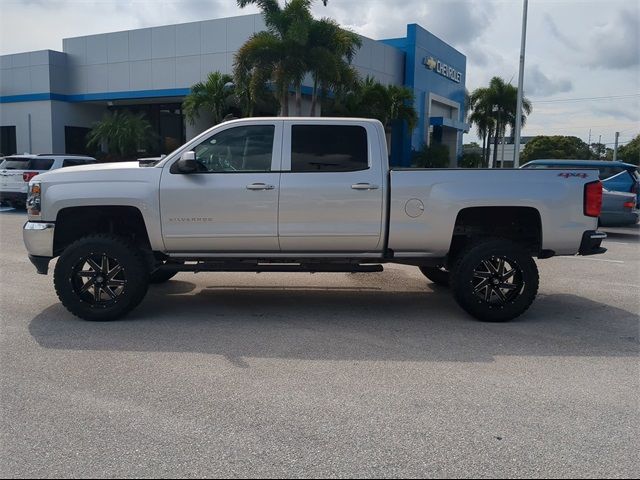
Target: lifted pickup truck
(304, 195)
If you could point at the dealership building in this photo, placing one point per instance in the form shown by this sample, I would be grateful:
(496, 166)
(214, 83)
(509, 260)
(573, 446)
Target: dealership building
(49, 100)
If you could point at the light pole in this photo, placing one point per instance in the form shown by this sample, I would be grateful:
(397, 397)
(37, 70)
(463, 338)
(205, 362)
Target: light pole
(516, 146)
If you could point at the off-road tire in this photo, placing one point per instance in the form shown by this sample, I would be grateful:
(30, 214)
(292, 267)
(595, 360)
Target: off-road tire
(161, 276)
(437, 275)
(130, 282)
(480, 262)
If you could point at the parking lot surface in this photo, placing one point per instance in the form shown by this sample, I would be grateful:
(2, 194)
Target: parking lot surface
(325, 375)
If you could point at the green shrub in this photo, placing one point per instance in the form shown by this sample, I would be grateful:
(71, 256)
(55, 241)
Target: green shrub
(470, 160)
(433, 156)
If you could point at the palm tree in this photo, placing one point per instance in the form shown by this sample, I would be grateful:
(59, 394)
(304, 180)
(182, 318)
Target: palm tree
(481, 116)
(330, 53)
(401, 106)
(494, 108)
(215, 96)
(280, 52)
(371, 99)
(123, 132)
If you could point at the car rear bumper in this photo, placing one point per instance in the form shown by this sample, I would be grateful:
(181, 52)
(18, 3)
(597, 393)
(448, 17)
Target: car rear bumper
(38, 238)
(591, 241)
(619, 219)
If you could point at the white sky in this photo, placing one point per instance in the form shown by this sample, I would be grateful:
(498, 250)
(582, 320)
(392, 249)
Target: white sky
(576, 49)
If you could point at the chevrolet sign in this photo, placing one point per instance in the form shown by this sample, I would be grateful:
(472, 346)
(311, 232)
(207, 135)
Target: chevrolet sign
(442, 68)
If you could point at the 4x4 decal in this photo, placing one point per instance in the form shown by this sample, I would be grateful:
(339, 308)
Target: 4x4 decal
(572, 174)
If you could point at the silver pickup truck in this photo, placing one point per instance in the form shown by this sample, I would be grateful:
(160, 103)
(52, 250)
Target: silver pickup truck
(304, 195)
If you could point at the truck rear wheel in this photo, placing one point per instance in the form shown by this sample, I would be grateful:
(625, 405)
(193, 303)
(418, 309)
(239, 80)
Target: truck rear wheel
(495, 280)
(438, 275)
(101, 277)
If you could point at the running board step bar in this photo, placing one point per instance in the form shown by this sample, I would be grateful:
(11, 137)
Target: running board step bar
(271, 267)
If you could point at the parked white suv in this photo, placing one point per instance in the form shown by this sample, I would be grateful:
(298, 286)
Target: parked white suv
(17, 170)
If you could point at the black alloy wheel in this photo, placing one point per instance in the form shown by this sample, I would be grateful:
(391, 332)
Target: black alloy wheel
(101, 277)
(495, 280)
(99, 280)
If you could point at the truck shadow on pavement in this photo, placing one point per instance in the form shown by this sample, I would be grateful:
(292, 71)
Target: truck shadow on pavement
(349, 324)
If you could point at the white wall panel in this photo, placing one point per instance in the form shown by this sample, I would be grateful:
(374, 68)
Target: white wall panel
(188, 39)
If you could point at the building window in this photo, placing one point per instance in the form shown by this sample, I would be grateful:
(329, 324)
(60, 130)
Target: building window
(75, 140)
(328, 148)
(8, 140)
(167, 121)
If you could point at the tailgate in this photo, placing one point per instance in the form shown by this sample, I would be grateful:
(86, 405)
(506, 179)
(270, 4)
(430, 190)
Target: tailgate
(12, 181)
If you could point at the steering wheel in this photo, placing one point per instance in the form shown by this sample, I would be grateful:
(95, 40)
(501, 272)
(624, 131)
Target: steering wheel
(224, 160)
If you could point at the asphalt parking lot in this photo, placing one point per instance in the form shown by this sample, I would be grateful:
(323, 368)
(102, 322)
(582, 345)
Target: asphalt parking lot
(326, 375)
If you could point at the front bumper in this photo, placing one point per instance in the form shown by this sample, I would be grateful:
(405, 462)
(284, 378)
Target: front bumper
(591, 241)
(38, 238)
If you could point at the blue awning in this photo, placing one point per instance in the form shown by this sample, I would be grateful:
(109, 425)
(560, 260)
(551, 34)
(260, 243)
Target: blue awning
(448, 122)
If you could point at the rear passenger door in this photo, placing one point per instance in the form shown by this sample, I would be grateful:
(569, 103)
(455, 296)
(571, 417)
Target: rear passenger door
(331, 188)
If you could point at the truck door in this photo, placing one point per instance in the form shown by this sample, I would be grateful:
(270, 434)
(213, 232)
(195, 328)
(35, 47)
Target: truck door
(331, 188)
(231, 203)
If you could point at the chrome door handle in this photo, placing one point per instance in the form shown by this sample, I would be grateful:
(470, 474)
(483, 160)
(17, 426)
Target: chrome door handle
(364, 186)
(260, 186)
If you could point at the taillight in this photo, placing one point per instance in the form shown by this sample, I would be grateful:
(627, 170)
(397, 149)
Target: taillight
(593, 199)
(27, 176)
(630, 204)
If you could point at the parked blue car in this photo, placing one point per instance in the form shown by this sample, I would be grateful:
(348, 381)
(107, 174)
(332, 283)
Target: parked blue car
(615, 176)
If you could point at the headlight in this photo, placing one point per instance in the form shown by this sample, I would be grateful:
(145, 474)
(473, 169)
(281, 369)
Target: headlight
(34, 199)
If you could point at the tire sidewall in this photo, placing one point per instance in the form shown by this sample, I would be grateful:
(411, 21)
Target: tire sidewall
(125, 254)
(462, 280)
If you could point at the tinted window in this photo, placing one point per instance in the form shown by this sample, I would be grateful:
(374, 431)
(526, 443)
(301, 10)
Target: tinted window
(7, 140)
(240, 149)
(536, 165)
(75, 140)
(15, 164)
(73, 162)
(328, 148)
(41, 164)
(606, 172)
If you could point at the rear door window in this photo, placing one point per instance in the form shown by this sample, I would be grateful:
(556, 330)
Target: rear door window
(329, 148)
(41, 163)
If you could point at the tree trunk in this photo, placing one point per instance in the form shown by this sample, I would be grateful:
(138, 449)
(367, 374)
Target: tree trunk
(495, 142)
(284, 101)
(487, 152)
(298, 99)
(314, 98)
(484, 143)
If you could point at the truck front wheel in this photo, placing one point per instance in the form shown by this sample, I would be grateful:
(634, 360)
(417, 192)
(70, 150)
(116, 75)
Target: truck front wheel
(495, 280)
(101, 277)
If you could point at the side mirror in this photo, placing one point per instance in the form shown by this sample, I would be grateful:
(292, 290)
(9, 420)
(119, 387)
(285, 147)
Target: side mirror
(187, 163)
